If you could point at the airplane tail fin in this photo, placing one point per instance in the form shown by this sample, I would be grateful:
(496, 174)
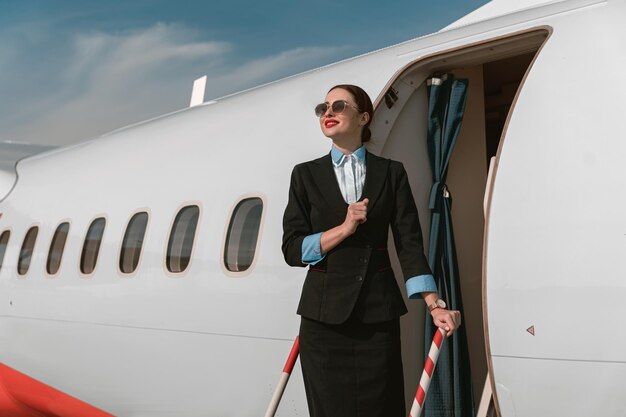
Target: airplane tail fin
(10, 154)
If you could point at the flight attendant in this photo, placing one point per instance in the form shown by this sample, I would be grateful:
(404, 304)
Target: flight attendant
(336, 223)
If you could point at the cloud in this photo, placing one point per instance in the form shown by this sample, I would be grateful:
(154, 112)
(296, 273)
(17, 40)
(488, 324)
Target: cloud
(277, 66)
(119, 58)
(94, 82)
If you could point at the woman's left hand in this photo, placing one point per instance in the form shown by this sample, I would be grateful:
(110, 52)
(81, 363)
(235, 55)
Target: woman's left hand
(449, 320)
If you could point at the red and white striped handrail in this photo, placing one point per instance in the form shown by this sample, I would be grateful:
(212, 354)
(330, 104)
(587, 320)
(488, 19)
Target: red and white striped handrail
(284, 378)
(429, 367)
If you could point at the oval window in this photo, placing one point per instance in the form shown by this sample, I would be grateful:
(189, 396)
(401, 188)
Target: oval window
(91, 246)
(26, 253)
(4, 242)
(243, 232)
(181, 239)
(56, 248)
(133, 242)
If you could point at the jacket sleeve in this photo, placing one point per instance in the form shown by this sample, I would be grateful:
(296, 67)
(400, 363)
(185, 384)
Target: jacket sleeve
(296, 221)
(405, 226)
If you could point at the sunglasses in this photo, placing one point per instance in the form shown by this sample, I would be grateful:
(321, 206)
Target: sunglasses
(336, 107)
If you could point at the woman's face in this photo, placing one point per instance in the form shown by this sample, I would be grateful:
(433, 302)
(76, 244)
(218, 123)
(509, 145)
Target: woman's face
(346, 125)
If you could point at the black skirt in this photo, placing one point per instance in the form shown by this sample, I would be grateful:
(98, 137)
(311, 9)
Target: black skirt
(352, 369)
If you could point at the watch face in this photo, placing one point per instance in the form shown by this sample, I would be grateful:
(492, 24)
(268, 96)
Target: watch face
(441, 303)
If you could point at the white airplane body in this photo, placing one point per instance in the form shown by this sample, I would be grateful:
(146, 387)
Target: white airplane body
(209, 341)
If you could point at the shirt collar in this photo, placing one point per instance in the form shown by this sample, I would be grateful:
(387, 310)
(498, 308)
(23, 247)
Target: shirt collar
(339, 157)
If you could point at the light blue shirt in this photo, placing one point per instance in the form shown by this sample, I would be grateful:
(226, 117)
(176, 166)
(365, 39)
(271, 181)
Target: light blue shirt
(350, 173)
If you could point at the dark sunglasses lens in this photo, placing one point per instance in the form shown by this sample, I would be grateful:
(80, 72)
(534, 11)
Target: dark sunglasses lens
(320, 109)
(339, 106)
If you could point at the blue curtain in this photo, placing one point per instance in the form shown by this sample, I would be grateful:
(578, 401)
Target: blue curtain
(450, 392)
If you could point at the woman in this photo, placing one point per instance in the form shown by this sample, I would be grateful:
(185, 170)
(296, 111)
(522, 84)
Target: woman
(336, 221)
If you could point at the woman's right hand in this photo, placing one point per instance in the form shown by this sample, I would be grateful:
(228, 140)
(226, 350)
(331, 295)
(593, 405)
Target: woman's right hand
(356, 215)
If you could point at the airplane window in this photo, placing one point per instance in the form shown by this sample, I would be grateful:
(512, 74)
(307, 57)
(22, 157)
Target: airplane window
(243, 233)
(4, 241)
(181, 239)
(91, 246)
(133, 241)
(26, 253)
(56, 248)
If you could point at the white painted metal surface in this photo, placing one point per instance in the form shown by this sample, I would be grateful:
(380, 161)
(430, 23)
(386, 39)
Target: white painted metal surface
(556, 228)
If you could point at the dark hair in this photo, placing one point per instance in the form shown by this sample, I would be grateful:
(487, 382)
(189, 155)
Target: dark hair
(363, 102)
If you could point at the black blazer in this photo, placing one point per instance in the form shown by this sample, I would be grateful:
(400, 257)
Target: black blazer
(355, 277)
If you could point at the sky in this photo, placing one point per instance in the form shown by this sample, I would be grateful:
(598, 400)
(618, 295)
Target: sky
(72, 70)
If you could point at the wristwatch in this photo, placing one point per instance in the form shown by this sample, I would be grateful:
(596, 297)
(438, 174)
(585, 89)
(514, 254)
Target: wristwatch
(439, 303)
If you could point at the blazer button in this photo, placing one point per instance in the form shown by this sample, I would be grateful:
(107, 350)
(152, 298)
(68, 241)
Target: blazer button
(364, 260)
(359, 278)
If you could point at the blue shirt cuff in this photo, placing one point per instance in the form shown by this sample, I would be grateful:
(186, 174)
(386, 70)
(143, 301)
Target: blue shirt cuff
(420, 284)
(311, 249)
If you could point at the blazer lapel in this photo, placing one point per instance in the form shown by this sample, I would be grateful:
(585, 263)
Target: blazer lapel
(375, 176)
(326, 180)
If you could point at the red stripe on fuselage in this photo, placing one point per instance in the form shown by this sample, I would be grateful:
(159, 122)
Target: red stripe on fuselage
(23, 396)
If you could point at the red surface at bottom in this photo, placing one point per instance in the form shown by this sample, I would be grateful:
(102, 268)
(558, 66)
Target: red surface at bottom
(23, 396)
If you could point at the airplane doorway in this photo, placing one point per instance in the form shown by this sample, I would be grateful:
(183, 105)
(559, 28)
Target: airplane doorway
(495, 72)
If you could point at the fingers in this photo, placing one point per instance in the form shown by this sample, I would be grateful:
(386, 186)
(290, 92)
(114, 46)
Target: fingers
(449, 320)
(358, 211)
(356, 215)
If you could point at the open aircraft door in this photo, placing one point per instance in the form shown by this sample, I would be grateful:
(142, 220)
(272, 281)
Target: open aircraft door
(554, 236)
